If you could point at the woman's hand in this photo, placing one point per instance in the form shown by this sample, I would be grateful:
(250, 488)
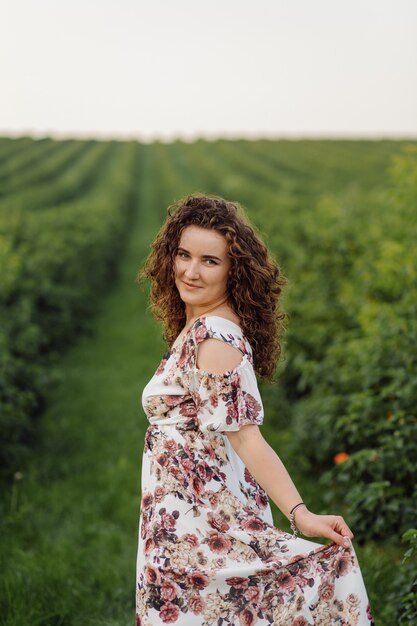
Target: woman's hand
(333, 527)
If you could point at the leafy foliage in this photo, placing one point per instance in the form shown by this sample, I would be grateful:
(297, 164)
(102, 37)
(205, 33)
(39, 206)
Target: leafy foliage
(55, 261)
(358, 378)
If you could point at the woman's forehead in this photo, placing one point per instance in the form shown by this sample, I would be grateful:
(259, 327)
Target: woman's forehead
(198, 238)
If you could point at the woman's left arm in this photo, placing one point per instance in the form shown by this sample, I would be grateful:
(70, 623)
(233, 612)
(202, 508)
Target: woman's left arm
(270, 473)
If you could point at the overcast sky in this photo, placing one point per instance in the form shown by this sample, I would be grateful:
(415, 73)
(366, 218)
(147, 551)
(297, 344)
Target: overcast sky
(187, 68)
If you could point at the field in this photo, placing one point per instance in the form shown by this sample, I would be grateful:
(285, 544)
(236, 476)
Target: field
(77, 345)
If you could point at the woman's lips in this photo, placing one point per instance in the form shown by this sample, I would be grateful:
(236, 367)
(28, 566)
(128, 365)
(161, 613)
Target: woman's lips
(191, 286)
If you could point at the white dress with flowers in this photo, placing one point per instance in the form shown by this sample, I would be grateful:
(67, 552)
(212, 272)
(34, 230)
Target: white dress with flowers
(208, 551)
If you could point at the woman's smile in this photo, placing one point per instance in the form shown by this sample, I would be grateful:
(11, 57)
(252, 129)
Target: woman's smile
(190, 286)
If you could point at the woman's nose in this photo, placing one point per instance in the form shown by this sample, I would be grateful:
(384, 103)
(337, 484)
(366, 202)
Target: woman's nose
(191, 270)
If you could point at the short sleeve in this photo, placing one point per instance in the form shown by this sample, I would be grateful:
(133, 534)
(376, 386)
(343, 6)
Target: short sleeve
(228, 401)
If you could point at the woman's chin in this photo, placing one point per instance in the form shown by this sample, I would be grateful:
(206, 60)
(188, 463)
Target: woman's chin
(191, 298)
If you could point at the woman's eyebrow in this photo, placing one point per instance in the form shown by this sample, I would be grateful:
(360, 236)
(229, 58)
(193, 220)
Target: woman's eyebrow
(204, 256)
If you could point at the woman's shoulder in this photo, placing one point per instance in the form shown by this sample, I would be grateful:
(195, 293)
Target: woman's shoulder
(218, 327)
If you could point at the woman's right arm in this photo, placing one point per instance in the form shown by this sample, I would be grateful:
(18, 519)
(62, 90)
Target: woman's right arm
(271, 474)
(263, 463)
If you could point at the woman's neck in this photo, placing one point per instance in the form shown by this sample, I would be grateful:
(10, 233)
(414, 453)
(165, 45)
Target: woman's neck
(198, 311)
(222, 308)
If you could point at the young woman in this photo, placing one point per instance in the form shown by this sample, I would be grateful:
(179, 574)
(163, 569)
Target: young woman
(209, 553)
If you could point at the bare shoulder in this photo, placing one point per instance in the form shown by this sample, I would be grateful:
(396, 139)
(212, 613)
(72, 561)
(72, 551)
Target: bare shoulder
(217, 356)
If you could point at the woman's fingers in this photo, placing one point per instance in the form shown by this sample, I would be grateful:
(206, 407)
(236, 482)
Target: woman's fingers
(340, 532)
(332, 527)
(339, 539)
(342, 527)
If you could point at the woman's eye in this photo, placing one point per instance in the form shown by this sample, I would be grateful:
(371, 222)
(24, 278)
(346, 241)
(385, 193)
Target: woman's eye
(211, 261)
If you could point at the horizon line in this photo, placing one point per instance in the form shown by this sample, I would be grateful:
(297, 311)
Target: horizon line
(210, 137)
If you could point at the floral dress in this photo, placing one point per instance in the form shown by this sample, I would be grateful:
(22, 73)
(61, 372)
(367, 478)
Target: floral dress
(208, 551)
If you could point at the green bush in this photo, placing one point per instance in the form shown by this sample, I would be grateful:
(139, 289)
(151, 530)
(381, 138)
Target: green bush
(356, 376)
(404, 592)
(54, 265)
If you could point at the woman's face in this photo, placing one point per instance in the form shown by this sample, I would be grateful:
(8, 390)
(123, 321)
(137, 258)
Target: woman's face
(201, 267)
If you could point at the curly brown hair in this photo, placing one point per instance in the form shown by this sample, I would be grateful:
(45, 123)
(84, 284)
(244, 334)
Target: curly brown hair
(254, 285)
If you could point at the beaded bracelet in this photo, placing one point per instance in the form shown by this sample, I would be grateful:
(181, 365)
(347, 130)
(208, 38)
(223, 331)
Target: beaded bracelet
(292, 519)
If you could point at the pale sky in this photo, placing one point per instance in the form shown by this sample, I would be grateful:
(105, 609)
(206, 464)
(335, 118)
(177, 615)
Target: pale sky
(166, 69)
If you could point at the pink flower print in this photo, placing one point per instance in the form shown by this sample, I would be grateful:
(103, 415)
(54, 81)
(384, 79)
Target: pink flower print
(192, 539)
(159, 493)
(162, 459)
(254, 524)
(326, 591)
(217, 522)
(218, 543)
(247, 617)
(198, 579)
(252, 407)
(232, 413)
(162, 364)
(249, 478)
(196, 605)
(343, 565)
(187, 464)
(197, 486)
(169, 613)
(200, 333)
(149, 545)
(213, 499)
(188, 409)
(261, 499)
(253, 594)
(204, 471)
(153, 576)
(182, 359)
(170, 445)
(238, 582)
(285, 581)
(300, 621)
(214, 399)
(171, 400)
(168, 521)
(147, 500)
(168, 590)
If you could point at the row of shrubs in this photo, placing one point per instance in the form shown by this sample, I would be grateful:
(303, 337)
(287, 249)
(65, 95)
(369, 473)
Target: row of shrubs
(353, 358)
(355, 328)
(55, 262)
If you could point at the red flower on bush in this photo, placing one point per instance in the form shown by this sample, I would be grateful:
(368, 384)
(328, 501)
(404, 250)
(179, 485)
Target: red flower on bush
(340, 457)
